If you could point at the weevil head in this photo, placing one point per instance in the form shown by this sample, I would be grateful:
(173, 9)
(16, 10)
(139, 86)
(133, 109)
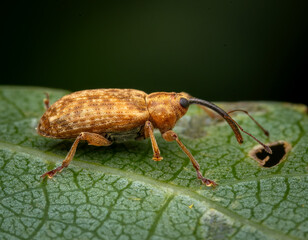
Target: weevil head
(166, 109)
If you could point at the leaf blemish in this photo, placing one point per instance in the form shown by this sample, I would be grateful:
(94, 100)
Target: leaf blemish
(279, 152)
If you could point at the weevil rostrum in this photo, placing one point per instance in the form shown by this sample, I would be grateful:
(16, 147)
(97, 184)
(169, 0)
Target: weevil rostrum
(104, 116)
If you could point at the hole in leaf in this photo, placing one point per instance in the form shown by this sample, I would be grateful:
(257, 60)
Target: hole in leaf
(279, 149)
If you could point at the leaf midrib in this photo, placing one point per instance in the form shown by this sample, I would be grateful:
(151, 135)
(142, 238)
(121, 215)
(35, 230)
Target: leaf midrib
(168, 187)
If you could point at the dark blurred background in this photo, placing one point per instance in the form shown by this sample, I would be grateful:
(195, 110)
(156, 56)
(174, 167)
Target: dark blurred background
(215, 50)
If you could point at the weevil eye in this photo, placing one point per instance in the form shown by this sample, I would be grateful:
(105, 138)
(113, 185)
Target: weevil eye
(184, 102)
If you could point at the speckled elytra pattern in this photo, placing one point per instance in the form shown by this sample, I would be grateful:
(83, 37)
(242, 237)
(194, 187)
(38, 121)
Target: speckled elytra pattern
(97, 111)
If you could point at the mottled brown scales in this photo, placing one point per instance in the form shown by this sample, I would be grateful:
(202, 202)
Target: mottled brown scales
(104, 116)
(96, 111)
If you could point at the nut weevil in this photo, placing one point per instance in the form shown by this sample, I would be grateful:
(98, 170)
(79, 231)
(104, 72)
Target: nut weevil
(104, 116)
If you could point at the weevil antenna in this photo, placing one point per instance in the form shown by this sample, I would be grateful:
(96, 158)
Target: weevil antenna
(233, 124)
(257, 123)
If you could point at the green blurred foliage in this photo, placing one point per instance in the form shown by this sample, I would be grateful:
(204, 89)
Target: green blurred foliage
(215, 50)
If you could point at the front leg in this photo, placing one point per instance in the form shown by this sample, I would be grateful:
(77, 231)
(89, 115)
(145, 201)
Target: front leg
(172, 136)
(91, 138)
(148, 131)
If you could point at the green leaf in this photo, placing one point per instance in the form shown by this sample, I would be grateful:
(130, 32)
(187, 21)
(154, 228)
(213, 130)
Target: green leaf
(119, 192)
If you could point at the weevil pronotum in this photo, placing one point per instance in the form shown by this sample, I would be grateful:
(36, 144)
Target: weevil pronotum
(104, 116)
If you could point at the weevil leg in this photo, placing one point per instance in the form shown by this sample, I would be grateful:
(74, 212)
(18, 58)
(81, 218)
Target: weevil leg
(46, 101)
(171, 136)
(91, 138)
(148, 130)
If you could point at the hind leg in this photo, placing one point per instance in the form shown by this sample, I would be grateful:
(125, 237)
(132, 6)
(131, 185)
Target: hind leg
(46, 101)
(91, 138)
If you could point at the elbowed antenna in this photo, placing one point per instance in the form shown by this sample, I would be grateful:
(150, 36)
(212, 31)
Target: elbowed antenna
(233, 124)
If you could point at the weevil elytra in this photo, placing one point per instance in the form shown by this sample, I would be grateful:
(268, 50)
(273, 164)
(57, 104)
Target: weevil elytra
(104, 116)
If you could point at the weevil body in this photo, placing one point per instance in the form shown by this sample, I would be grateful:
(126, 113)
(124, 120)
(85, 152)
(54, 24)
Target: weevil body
(102, 111)
(104, 116)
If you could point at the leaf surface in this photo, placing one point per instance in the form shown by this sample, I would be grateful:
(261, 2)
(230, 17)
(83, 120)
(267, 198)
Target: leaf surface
(119, 192)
